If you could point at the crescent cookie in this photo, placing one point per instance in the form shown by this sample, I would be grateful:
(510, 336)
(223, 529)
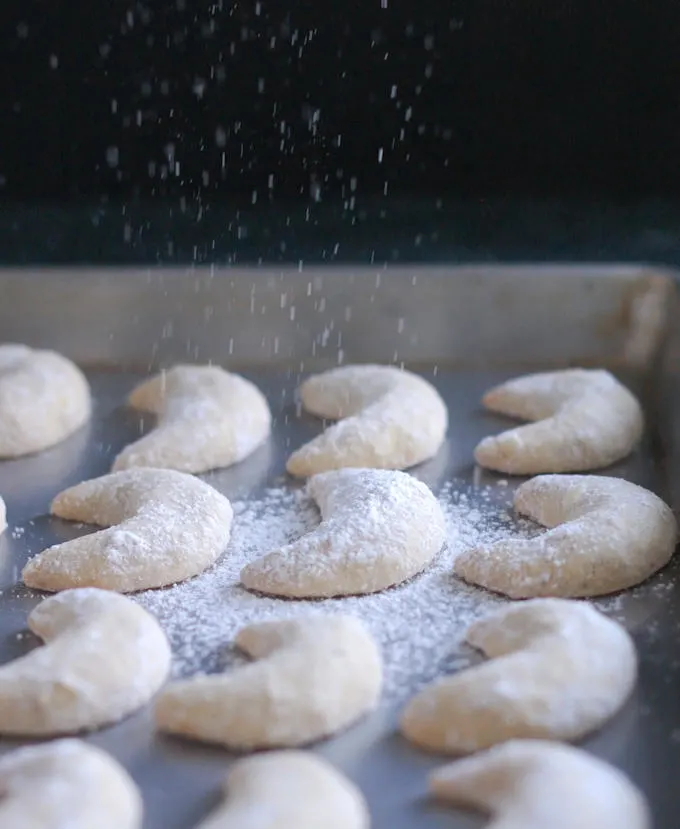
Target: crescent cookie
(104, 657)
(389, 419)
(558, 670)
(379, 528)
(529, 784)
(605, 535)
(312, 677)
(66, 783)
(585, 419)
(162, 527)
(207, 418)
(288, 790)
(44, 398)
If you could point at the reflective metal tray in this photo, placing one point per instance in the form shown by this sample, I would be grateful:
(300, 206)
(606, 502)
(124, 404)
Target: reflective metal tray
(466, 328)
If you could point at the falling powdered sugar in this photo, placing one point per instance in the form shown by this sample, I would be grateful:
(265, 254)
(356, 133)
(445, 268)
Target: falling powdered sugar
(418, 625)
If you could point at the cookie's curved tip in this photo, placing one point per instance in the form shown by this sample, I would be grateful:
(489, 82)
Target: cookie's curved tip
(413, 726)
(33, 577)
(251, 577)
(483, 451)
(313, 459)
(297, 465)
(491, 454)
(38, 577)
(490, 398)
(122, 462)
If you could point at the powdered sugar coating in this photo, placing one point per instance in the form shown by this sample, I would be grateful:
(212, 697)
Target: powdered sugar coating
(162, 527)
(313, 676)
(43, 399)
(418, 625)
(104, 657)
(530, 784)
(379, 528)
(606, 534)
(67, 784)
(233, 414)
(559, 670)
(585, 420)
(390, 419)
(288, 790)
(3, 516)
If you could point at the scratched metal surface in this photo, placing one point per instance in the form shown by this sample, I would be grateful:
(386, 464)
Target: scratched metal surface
(181, 781)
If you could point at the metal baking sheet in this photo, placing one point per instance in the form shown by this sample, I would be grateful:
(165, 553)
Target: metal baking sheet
(464, 328)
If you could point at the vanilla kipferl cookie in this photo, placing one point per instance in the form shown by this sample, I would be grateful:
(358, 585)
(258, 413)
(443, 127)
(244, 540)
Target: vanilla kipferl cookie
(605, 534)
(389, 419)
(44, 398)
(162, 527)
(312, 677)
(207, 418)
(379, 527)
(559, 670)
(66, 784)
(530, 784)
(585, 419)
(104, 657)
(288, 790)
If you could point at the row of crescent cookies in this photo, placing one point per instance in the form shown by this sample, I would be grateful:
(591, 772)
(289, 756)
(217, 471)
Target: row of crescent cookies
(558, 669)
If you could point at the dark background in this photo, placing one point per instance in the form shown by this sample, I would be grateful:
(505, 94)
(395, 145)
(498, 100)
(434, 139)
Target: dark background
(149, 118)
(295, 99)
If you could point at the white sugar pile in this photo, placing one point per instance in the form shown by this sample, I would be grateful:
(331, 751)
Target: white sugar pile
(419, 625)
